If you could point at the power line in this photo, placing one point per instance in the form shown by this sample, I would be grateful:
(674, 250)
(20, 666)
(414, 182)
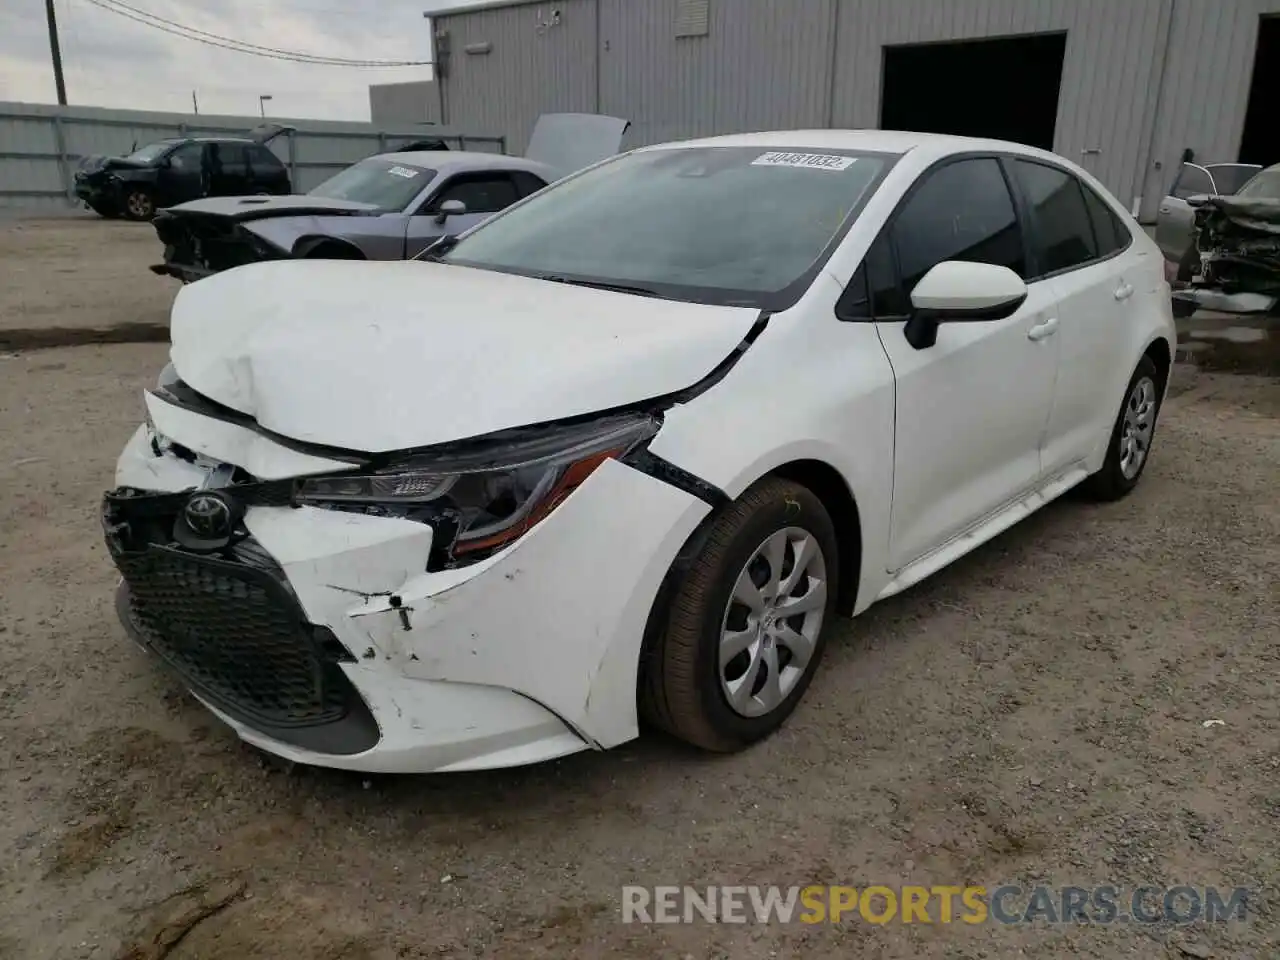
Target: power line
(245, 43)
(240, 46)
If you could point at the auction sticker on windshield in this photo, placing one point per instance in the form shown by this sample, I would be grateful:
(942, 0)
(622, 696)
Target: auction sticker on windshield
(815, 161)
(407, 172)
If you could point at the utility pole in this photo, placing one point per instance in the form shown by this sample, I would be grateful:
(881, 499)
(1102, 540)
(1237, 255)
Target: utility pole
(195, 104)
(56, 51)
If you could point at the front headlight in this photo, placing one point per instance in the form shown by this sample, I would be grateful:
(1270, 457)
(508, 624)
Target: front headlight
(481, 499)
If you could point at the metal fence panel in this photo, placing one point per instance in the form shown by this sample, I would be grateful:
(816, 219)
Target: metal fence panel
(41, 145)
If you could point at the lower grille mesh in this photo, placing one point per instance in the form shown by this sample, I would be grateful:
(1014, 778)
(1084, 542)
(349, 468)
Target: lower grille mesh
(234, 633)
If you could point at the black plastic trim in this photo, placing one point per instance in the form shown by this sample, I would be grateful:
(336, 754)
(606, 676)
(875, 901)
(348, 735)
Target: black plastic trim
(655, 466)
(356, 732)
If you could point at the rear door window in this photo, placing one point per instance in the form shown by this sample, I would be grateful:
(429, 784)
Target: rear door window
(265, 164)
(527, 183)
(1062, 231)
(1112, 234)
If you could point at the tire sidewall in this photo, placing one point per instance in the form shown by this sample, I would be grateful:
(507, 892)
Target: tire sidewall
(1122, 483)
(798, 508)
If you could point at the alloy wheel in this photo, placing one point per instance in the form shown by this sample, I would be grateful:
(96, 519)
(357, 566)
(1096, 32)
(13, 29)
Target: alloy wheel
(1138, 426)
(772, 621)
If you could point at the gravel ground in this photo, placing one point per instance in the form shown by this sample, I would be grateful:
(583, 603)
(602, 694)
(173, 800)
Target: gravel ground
(1033, 714)
(66, 277)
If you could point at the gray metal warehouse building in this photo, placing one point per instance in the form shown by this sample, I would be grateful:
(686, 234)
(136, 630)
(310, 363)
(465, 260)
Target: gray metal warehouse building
(1121, 86)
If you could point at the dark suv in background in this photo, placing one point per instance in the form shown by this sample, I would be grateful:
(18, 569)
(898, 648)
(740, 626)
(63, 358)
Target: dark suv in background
(169, 172)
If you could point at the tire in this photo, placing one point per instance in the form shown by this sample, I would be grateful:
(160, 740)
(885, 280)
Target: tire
(685, 690)
(1119, 475)
(139, 205)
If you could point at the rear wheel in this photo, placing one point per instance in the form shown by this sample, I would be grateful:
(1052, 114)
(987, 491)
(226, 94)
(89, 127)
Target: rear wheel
(745, 628)
(1131, 437)
(138, 204)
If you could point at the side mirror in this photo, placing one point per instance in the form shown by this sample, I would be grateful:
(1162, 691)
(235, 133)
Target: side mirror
(956, 291)
(450, 208)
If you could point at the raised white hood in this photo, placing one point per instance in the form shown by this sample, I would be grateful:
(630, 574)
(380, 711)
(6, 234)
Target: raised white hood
(384, 356)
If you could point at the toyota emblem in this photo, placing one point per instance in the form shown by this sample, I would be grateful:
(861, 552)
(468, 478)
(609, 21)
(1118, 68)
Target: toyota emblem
(209, 516)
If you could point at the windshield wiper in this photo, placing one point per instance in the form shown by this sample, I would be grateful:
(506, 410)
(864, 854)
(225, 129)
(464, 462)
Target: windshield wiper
(438, 249)
(603, 285)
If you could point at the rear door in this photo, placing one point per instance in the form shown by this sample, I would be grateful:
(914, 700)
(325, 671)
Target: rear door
(1079, 243)
(1175, 223)
(483, 193)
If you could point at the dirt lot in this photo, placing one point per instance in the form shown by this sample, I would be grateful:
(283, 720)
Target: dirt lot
(1034, 714)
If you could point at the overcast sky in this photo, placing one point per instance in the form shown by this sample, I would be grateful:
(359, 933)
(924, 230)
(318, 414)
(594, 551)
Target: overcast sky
(111, 61)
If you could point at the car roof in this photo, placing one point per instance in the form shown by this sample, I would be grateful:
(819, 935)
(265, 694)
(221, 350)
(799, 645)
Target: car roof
(876, 141)
(455, 161)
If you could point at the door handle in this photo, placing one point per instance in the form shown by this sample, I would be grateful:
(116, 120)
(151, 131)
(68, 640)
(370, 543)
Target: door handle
(1041, 330)
(1124, 291)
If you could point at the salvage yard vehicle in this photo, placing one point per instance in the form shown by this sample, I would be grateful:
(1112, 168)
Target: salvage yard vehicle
(1175, 220)
(176, 170)
(1235, 262)
(387, 207)
(626, 449)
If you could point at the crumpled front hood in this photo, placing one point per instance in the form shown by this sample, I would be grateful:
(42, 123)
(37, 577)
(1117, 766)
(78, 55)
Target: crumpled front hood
(256, 207)
(382, 356)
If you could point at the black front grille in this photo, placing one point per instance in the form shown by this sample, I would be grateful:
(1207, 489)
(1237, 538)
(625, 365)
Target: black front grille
(235, 635)
(230, 626)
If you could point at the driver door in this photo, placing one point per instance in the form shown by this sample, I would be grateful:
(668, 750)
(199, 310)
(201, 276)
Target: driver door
(971, 410)
(180, 177)
(483, 194)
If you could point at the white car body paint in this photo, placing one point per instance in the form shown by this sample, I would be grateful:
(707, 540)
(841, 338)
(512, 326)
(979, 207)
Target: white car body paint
(484, 352)
(534, 652)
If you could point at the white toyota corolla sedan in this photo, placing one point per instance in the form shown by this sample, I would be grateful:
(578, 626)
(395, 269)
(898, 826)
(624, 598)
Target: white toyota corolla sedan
(627, 449)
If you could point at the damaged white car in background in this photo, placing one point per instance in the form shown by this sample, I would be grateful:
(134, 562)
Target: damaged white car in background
(627, 448)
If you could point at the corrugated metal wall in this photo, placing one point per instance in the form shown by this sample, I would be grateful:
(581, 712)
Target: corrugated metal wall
(524, 62)
(394, 104)
(1104, 102)
(41, 144)
(1142, 79)
(1205, 87)
(761, 65)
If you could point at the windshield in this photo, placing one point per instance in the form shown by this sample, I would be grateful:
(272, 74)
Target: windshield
(1265, 186)
(386, 184)
(729, 225)
(1230, 177)
(152, 151)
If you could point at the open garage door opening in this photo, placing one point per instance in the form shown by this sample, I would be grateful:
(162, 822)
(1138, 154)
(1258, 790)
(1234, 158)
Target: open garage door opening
(1005, 88)
(1260, 142)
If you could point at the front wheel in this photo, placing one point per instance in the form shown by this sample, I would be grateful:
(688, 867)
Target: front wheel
(745, 628)
(1131, 437)
(138, 205)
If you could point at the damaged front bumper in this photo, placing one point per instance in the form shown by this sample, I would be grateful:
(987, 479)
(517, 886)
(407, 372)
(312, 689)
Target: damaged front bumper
(320, 636)
(1238, 272)
(198, 245)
